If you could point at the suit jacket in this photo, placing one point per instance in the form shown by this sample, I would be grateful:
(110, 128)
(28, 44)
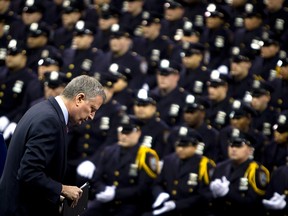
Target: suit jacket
(35, 163)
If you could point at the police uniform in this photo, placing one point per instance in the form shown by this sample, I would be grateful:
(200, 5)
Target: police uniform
(154, 129)
(107, 12)
(217, 41)
(217, 114)
(63, 35)
(169, 27)
(241, 110)
(34, 53)
(162, 47)
(278, 96)
(241, 83)
(278, 184)
(247, 184)
(194, 80)
(169, 105)
(275, 153)
(185, 180)
(265, 119)
(17, 88)
(248, 38)
(131, 170)
(82, 61)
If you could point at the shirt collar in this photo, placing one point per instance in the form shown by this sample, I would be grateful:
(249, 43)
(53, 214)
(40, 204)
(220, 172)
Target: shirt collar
(63, 108)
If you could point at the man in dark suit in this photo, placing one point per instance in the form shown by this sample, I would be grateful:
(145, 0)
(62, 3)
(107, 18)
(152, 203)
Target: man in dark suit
(36, 158)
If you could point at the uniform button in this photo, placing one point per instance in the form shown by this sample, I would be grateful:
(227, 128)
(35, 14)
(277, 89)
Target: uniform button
(87, 136)
(71, 66)
(3, 86)
(86, 145)
(174, 192)
(115, 183)
(69, 75)
(84, 155)
(279, 101)
(176, 182)
(190, 190)
(88, 126)
(116, 173)
(1, 94)
(131, 181)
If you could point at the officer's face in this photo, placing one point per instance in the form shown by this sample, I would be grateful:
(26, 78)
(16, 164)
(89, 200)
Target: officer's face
(69, 19)
(43, 68)
(15, 62)
(284, 72)
(167, 82)
(192, 61)
(36, 42)
(29, 18)
(173, 14)
(185, 152)
(269, 51)
(281, 138)
(133, 7)
(240, 154)
(130, 139)
(240, 69)
(105, 24)
(213, 22)
(260, 103)
(52, 92)
(217, 93)
(82, 42)
(241, 123)
(252, 23)
(193, 118)
(274, 5)
(144, 112)
(84, 109)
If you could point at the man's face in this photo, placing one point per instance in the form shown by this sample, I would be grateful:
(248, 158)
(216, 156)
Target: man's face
(144, 112)
(240, 154)
(185, 152)
(15, 62)
(84, 109)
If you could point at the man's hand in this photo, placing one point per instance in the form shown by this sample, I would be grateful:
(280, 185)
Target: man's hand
(4, 121)
(9, 130)
(220, 187)
(72, 193)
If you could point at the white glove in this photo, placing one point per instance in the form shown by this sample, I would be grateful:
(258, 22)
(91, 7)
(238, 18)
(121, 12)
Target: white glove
(86, 169)
(162, 197)
(275, 202)
(107, 195)
(220, 187)
(168, 206)
(4, 121)
(8, 132)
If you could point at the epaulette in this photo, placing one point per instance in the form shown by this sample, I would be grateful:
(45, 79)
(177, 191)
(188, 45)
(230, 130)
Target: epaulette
(152, 168)
(264, 177)
(203, 170)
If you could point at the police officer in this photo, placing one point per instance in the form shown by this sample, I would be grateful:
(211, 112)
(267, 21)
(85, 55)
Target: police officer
(266, 114)
(218, 113)
(18, 86)
(153, 46)
(275, 152)
(120, 42)
(37, 41)
(82, 58)
(132, 17)
(125, 174)
(170, 98)
(241, 117)
(196, 74)
(87, 141)
(71, 12)
(241, 77)
(239, 183)
(51, 60)
(108, 16)
(275, 201)
(153, 128)
(194, 117)
(173, 18)
(216, 36)
(280, 84)
(183, 183)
